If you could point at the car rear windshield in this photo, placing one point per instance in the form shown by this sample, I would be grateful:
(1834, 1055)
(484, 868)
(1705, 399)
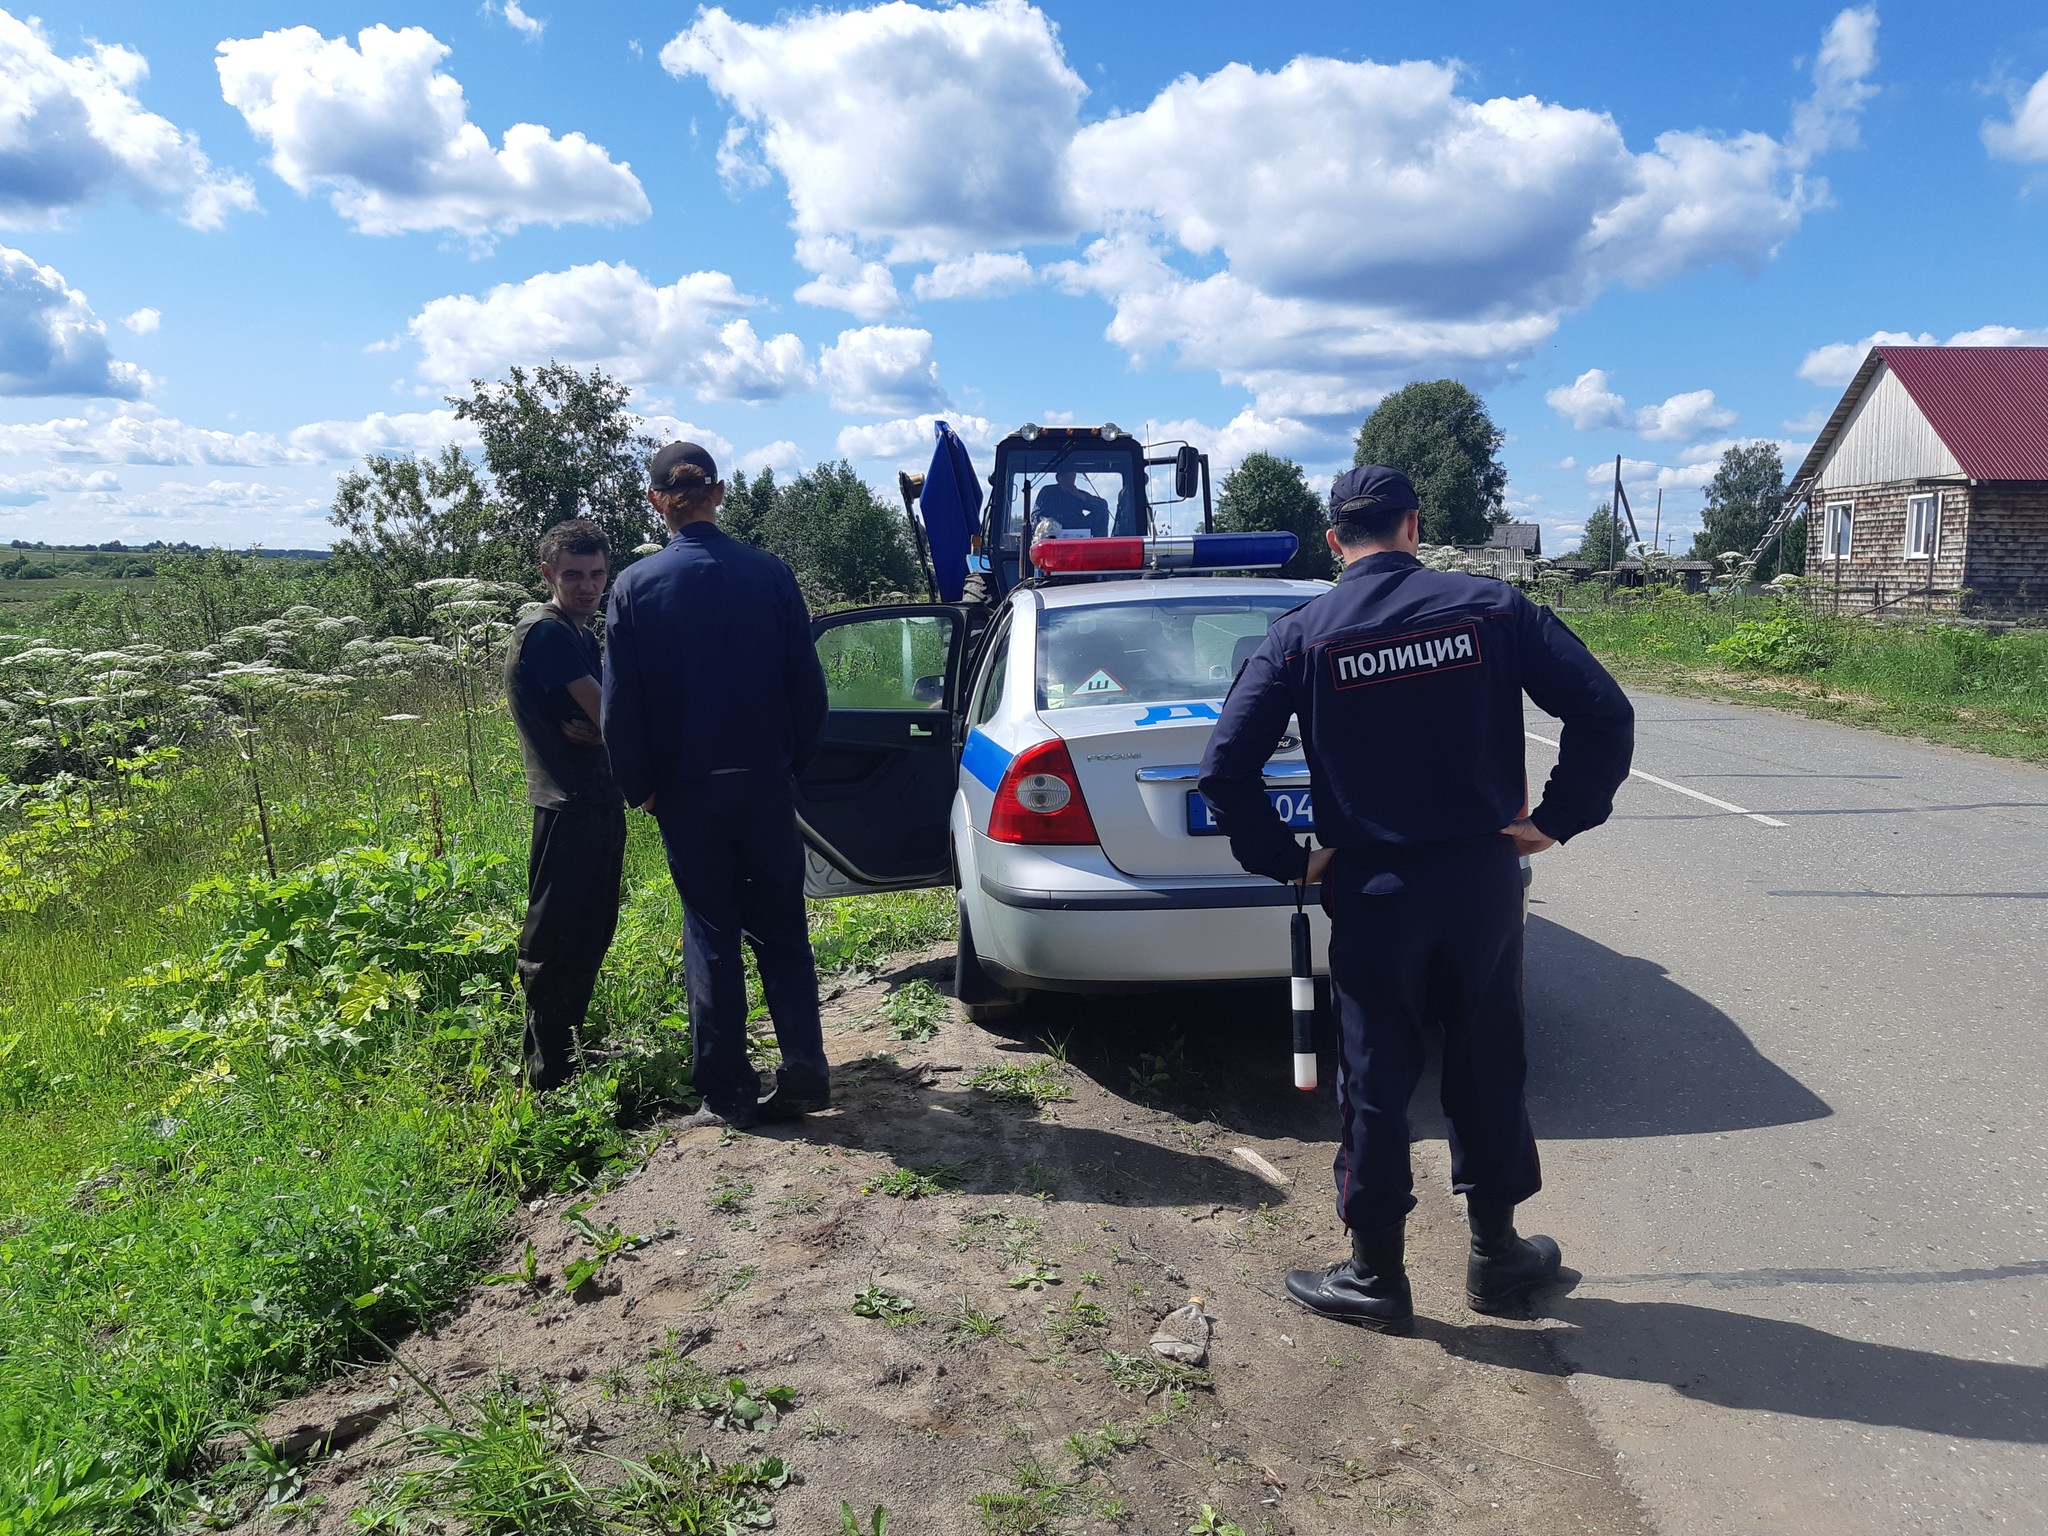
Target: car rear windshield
(1180, 650)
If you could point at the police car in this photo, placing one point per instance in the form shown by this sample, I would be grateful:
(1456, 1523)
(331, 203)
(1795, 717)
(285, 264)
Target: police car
(1039, 755)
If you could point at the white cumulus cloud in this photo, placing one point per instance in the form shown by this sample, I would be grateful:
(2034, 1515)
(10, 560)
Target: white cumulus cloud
(935, 132)
(1244, 434)
(1836, 363)
(41, 484)
(983, 275)
(864, 289)
(1590, 405)
(880, 370)
(51, 342)
(381, 432)
(782, 456)
(381, 127)
(140, 434)
(910, 438)
(143, 322)
(1587, 403)
(2025, 135)
(515, 17)
(1683, 417)
(692, 332)
(1239, 221)
(74, 129)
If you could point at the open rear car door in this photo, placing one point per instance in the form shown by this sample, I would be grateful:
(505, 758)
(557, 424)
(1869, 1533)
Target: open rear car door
(875, 801)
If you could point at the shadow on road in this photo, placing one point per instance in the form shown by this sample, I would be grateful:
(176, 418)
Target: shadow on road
(1617, 1048)
(1767, 1365)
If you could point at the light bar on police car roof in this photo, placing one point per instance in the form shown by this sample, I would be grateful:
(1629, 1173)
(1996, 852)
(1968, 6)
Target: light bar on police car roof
(1185, 552)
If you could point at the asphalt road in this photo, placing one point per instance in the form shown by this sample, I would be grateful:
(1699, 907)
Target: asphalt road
(1790, 1058)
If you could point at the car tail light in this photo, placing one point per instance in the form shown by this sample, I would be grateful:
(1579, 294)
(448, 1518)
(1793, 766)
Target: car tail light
(1039, 800)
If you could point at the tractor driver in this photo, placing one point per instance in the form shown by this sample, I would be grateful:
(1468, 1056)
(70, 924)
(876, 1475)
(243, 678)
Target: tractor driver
(1071, 507)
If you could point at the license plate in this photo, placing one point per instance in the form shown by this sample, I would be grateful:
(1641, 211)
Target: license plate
(1294, 806)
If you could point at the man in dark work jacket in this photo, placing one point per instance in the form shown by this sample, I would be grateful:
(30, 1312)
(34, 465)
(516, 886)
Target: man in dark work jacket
(713, 697)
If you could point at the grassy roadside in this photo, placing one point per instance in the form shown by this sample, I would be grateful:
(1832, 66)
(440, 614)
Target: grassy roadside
(1952, 684)
(246, 1129)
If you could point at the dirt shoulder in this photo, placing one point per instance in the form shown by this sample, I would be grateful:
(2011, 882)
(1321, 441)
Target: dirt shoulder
(1013, 1389)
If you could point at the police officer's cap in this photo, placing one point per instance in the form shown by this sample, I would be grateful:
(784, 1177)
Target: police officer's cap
(1369, 492)
(681, 467)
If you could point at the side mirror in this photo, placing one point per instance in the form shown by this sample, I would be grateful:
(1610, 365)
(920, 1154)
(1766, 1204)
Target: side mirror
(1187, 472)
(929, 690)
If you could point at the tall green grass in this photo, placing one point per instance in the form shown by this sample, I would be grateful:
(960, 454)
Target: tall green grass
(1953, 683)
(248, 1124)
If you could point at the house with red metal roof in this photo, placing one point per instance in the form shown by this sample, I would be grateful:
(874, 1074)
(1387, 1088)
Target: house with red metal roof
(1927, 490)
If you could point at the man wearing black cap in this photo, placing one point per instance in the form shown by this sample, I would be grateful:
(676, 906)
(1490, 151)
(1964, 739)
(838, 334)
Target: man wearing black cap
(1408, 684)
(713, 697)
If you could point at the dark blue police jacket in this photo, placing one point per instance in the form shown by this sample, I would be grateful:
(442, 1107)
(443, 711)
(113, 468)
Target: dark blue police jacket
(1408, 683)
(709, 666)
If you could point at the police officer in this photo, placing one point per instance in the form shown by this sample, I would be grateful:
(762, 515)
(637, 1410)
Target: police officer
(713, 697)
(1408, 685)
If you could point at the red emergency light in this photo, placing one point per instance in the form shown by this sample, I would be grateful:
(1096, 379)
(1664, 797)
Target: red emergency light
(1184, 552)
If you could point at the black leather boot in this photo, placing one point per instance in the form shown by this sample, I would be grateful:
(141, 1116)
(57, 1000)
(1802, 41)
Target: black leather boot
(1370, 1288)
(1504, 1268)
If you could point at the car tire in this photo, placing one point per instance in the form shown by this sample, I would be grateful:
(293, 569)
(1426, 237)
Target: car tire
(980, 998)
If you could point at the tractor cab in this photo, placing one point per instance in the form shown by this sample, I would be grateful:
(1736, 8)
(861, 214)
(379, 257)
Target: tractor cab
(1079, 483)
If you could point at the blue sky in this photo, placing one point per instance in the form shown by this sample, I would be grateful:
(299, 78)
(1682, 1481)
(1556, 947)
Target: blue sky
(245, 245)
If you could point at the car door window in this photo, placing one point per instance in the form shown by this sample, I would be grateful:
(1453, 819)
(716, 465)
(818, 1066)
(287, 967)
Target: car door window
(891, 662)
(988, 696)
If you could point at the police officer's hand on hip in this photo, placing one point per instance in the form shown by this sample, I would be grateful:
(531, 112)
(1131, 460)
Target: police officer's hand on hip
(1408, 686)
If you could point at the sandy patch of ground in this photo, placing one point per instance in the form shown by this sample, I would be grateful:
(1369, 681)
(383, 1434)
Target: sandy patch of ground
(1077, 1222)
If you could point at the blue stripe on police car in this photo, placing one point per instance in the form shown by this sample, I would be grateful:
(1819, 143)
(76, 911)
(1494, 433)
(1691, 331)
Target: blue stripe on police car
(985, 759)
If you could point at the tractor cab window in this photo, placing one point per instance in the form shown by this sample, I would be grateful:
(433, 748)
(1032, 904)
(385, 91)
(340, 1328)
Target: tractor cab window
(1072, 491)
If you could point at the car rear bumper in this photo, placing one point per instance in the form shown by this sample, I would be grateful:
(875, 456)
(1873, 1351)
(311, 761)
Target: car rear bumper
(1145, 898)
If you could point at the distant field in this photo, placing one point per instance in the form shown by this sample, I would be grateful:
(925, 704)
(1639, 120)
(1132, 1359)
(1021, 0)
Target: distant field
(33, 576)
(18, 596)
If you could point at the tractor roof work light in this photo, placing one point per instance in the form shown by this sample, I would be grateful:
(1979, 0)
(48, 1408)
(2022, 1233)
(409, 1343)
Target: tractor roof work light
(1187, 552)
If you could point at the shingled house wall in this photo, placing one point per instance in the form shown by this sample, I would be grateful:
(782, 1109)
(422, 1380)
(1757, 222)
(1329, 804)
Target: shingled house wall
(2005, 565)
(1877, 574)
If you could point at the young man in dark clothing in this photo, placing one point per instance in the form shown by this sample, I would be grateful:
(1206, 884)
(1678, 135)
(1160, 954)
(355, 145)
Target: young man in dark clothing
(553, 676)
(713, 699)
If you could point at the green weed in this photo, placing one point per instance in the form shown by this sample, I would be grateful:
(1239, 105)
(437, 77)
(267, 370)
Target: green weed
(688, 1492)
(915, 1012)
(1147, 1375)
(886, 1306)
(732, 1404)
(1033, 1084)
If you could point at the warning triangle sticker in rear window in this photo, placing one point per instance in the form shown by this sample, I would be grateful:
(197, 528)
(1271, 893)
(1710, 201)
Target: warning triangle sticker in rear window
(1099, 686)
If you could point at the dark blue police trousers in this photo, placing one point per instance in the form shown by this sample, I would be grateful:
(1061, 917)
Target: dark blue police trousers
(738, 864)
(1423, 935)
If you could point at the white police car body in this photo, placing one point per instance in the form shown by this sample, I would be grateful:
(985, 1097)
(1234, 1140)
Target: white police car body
(1039, 754)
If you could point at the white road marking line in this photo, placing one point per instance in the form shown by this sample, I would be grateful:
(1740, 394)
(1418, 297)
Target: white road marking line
(1651, 778)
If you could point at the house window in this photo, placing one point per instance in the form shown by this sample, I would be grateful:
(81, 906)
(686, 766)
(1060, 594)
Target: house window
(1922, 518)
(1835, 537)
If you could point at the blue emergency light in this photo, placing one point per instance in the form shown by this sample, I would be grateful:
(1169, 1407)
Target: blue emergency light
(1184, 552)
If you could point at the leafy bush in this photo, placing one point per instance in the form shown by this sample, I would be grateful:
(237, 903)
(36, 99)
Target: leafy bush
(1788, 641)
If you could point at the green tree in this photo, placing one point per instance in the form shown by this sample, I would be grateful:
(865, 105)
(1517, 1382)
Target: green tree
(1267, 494)
(842, 540)
(561, 444)
(405, 520)
(1743, 499)
(1605, 541)
(1439, 433)
(749, 507)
